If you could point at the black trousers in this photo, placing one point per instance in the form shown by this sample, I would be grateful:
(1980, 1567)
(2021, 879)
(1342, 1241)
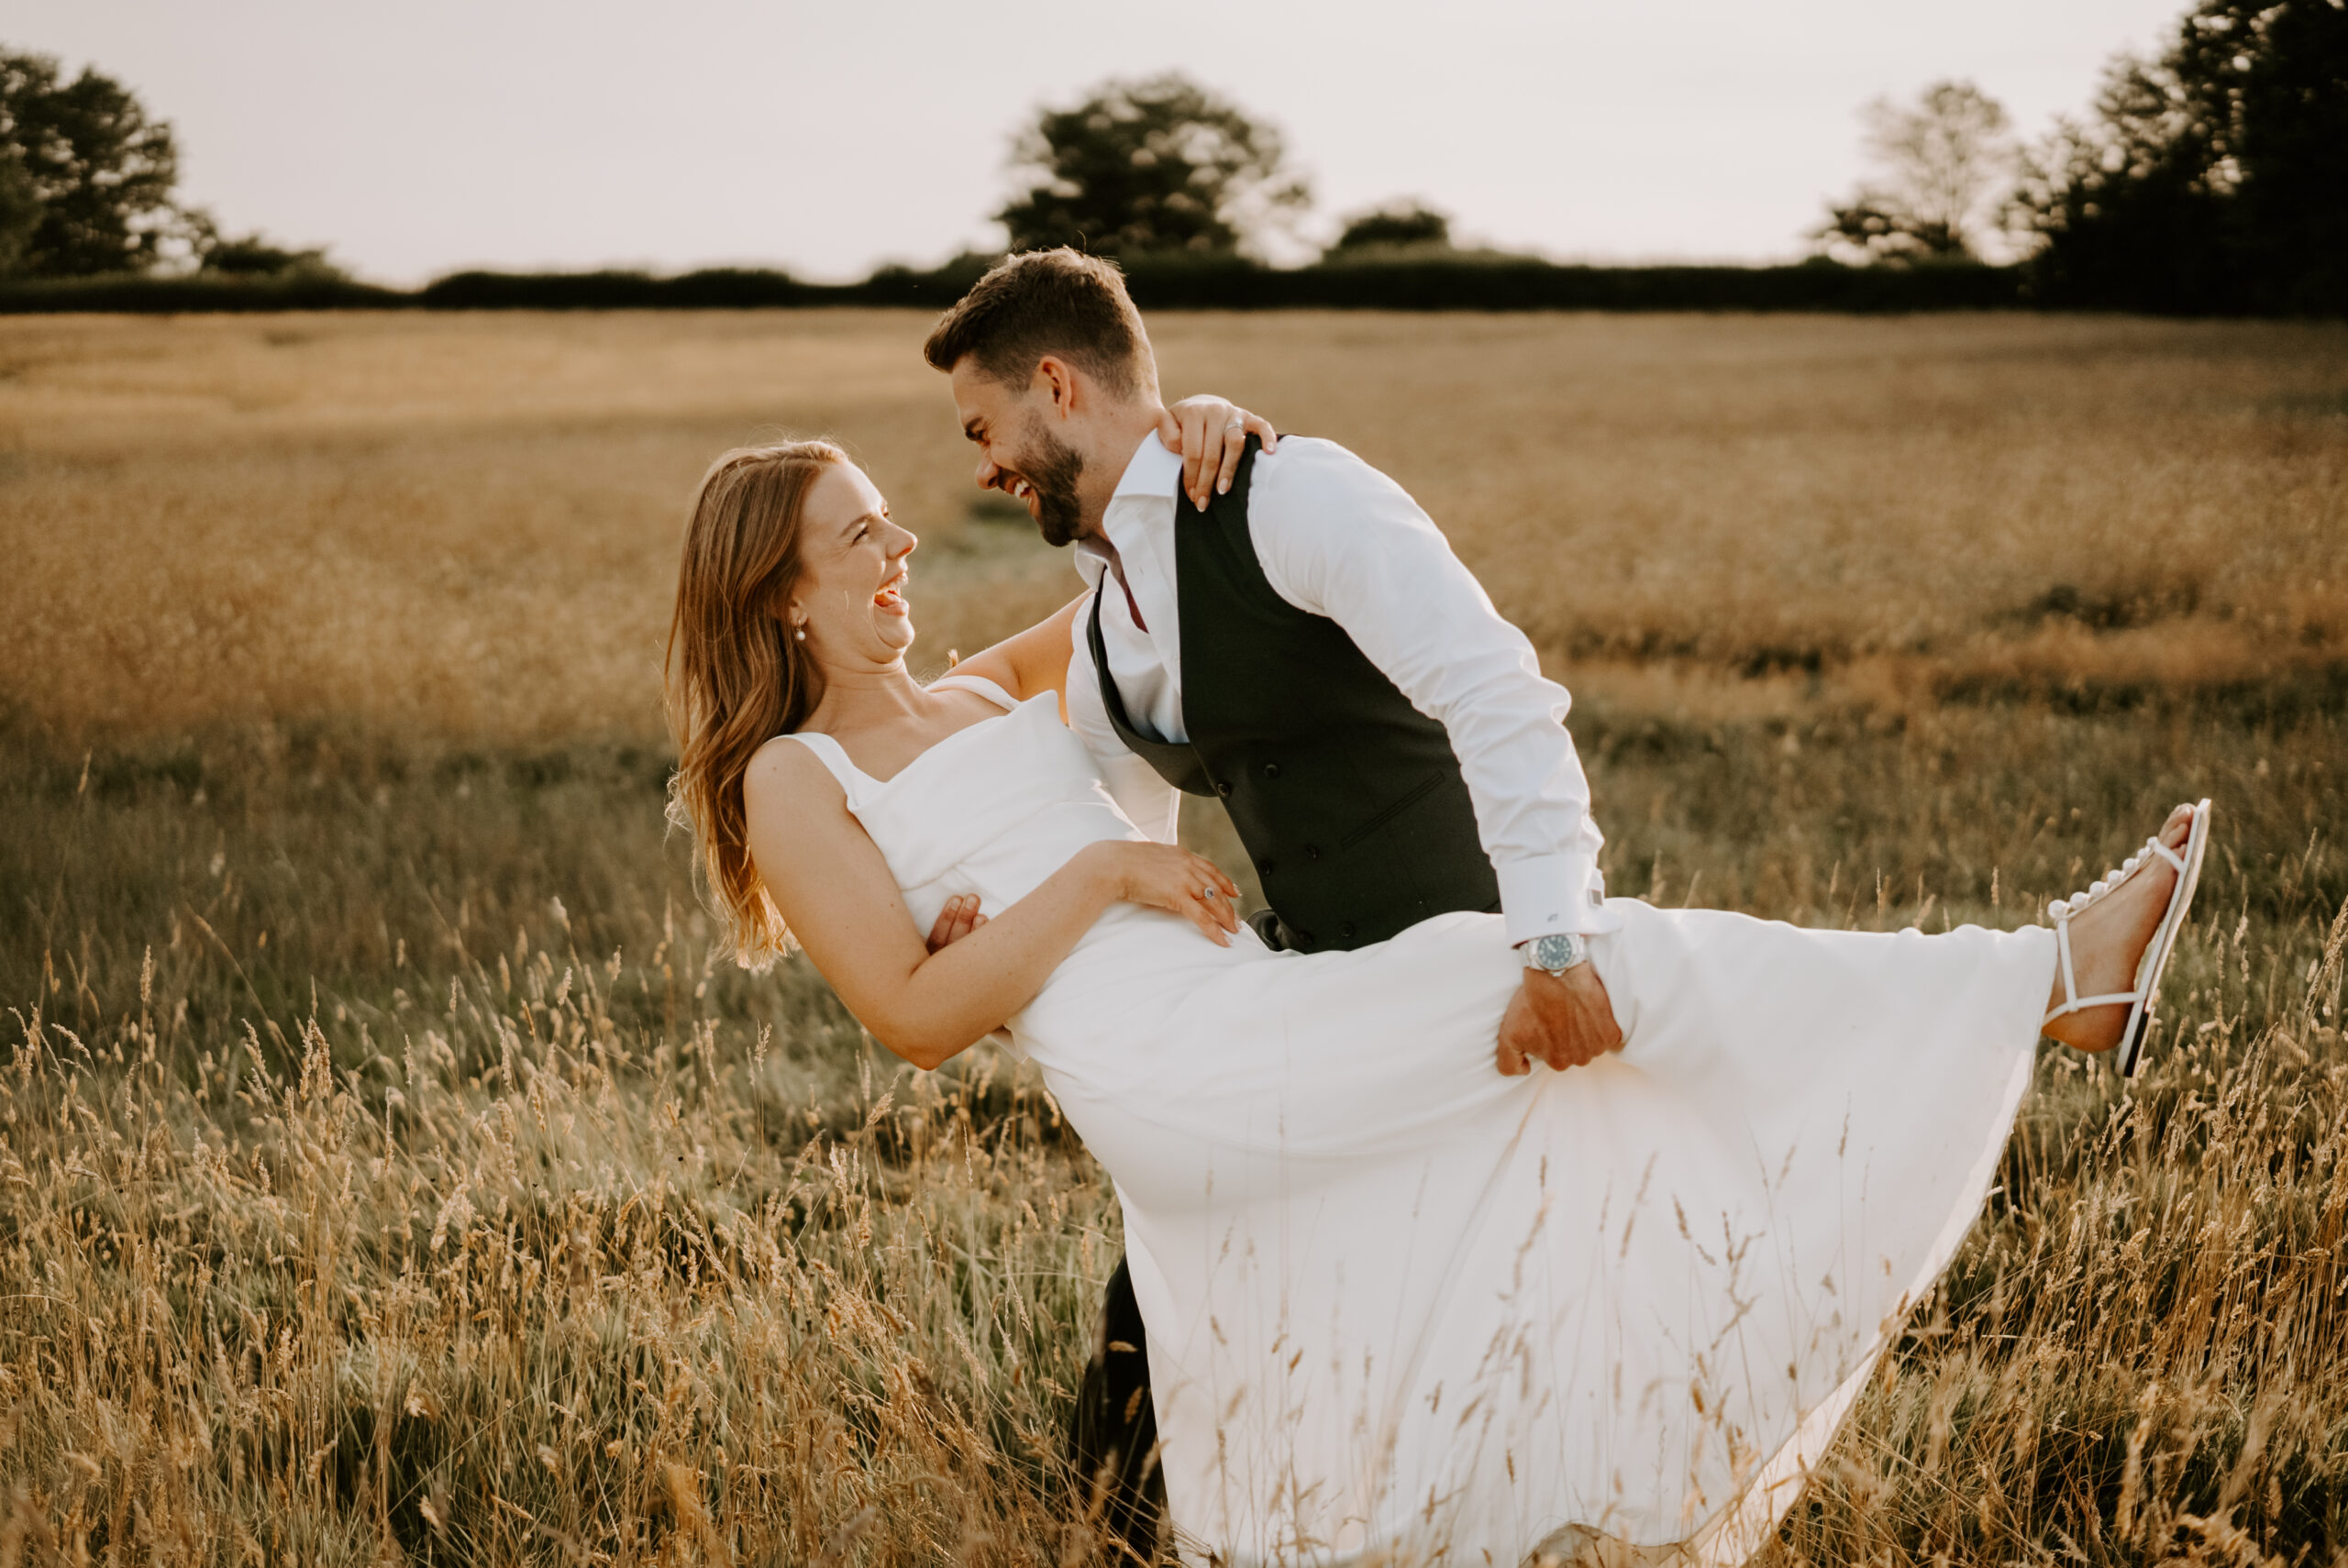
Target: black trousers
(1112, 1437)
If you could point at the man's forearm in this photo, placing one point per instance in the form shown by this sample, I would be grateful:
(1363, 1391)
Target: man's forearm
(1149, 801)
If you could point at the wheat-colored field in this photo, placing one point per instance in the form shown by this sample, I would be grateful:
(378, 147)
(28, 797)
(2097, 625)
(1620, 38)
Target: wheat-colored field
(463, 526)
(389, 1167)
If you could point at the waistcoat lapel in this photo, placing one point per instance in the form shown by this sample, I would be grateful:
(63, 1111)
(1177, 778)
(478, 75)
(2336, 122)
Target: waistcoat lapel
(1178, 764)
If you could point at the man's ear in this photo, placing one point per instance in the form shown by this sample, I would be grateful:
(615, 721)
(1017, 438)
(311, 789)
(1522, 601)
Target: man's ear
(1056, 380)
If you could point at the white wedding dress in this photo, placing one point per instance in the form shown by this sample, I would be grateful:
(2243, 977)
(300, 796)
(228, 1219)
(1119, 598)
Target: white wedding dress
(1398, 1303)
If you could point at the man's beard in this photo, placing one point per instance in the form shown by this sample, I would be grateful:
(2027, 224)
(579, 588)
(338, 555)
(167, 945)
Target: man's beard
(1052, 471)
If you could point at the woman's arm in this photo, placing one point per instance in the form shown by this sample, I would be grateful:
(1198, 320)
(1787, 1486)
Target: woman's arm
(837, 895)
(1034, 660)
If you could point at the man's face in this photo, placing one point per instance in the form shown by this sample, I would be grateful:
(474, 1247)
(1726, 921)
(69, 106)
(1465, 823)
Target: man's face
(1019, 452)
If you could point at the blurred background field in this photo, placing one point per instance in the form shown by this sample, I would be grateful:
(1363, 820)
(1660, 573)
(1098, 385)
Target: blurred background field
(459, 529)
(387, 1166)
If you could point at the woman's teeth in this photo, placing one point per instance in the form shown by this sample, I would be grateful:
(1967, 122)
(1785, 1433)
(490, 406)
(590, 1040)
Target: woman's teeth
(891, 597)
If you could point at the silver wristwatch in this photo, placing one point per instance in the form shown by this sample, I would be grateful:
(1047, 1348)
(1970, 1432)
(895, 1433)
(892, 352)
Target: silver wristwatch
(1556, 953)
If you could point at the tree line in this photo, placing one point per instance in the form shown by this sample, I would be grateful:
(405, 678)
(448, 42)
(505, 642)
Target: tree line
(89, 186)
(2211, 178)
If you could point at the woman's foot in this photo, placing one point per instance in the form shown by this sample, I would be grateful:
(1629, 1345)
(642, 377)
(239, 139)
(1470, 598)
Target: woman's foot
(2108, 941)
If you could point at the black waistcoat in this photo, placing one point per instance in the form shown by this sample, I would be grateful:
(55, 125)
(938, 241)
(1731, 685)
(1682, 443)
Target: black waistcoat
(1350, 800)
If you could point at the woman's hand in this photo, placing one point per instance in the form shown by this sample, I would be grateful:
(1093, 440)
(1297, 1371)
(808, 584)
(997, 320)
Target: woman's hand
(956, 921)
(1211, 434)
(1161, 876)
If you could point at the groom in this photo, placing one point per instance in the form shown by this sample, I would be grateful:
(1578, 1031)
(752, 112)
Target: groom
(1304, 646)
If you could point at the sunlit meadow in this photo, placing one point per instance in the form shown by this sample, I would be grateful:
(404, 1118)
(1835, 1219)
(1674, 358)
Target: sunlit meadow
(391, 1170)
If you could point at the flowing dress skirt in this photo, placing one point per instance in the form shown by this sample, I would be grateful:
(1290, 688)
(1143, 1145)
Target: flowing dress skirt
(1398, 1303)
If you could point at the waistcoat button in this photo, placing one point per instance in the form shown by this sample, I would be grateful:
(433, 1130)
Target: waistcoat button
(1271, 770)
(1313, 852)
(1264, 867)
(1224, 788)
(1346, 930)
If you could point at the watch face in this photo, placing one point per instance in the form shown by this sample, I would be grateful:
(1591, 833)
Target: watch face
(1554, 952)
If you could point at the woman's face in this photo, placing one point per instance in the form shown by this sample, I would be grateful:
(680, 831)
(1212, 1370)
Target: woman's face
(852, 572)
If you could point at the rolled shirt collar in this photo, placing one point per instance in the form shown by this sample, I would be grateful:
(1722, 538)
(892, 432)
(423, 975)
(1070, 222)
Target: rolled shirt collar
(1152, 474)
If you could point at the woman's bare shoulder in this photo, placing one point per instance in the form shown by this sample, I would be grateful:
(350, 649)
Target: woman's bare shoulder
(787, 772)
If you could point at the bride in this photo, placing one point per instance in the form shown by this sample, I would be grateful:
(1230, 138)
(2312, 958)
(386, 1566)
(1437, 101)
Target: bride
(1398, 1302)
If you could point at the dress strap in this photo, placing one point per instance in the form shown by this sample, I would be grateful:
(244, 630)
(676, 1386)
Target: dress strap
(833, 756)
(978, 684)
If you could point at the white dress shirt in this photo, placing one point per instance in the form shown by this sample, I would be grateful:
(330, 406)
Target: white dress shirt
(1339, 539)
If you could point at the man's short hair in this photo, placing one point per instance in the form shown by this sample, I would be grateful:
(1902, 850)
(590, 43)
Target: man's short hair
(1048, 301)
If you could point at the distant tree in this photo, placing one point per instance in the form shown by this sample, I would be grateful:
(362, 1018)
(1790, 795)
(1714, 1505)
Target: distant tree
(1151, 166)
(1396, 225)
(2214, 178)
(1943, 174)
(253, 256)
(19, 208)
(89, 176)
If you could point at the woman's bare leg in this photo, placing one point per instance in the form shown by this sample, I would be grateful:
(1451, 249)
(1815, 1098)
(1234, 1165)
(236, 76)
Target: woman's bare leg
(2107, 940)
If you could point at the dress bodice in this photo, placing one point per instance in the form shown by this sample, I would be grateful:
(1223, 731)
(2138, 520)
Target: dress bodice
(993, 809)
(996, 808)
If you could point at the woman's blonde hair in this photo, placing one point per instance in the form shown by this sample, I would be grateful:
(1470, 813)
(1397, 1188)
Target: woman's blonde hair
(733, 677)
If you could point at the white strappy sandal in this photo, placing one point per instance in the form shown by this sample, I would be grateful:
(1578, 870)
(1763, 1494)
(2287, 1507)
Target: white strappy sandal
(2150, 968)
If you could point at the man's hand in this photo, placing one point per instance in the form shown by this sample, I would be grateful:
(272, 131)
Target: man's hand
(1564, 1020)
(956, 921)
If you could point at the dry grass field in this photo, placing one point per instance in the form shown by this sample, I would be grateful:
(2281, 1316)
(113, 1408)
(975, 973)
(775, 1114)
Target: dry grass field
(390, 1169)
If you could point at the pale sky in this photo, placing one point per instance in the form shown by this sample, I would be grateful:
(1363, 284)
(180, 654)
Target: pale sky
(415, 137)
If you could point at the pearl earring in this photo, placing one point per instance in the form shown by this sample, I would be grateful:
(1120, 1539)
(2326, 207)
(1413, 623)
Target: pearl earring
(801, 634)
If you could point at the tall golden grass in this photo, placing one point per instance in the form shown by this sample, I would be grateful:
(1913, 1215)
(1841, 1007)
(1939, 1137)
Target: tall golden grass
(464, 525)
(389, 1168)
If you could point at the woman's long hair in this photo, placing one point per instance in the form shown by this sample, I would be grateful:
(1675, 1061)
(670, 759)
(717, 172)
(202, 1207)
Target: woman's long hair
(733, 678)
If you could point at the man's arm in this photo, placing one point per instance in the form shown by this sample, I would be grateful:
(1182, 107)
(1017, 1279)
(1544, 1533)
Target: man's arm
(1340, 539)
(1149, 801)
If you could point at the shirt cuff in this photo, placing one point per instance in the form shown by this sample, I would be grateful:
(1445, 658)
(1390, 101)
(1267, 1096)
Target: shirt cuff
(1544, 894)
